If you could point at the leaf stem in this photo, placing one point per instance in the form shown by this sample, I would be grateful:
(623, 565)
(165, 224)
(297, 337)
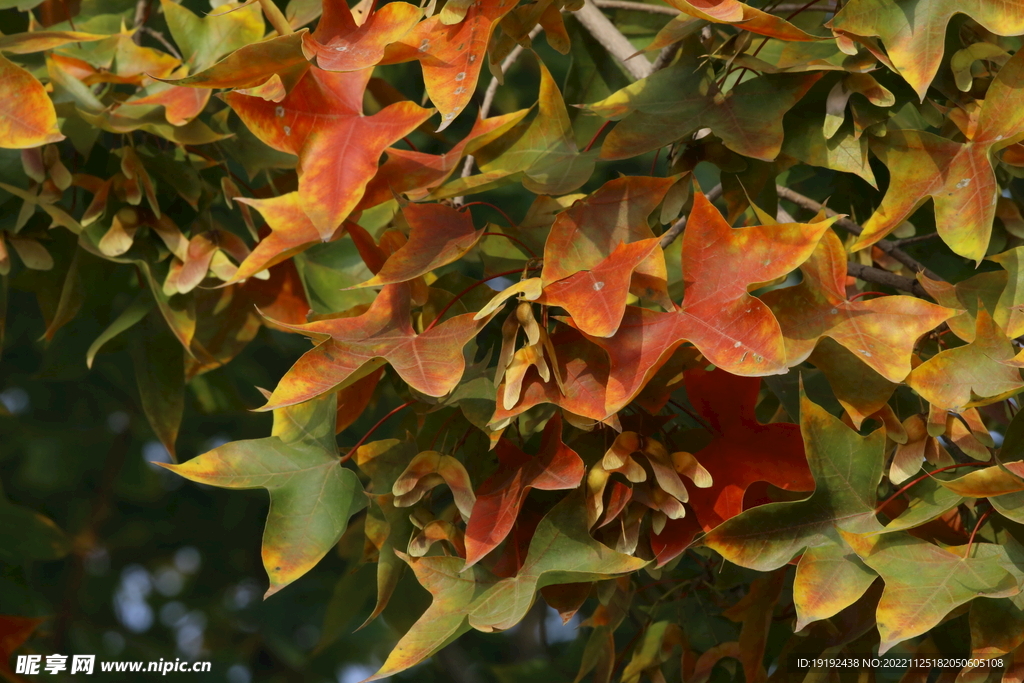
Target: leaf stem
(980, 522)
(467, 290)
(670, 235)
(367, 435)
(925, 476)
(504, 215)
(276, 17)
(596, 136)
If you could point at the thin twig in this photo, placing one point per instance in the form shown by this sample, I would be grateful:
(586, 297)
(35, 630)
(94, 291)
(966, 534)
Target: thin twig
(637, 7)
(604, 31)
(488, 101)
(915, 239)
(163, 41)
(884, 277)
(140, 18)
(888, 247)
(677, 228)
(367, 435)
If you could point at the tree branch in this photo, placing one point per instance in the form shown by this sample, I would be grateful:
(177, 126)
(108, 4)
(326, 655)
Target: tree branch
(637, 7)
(888, 247)
(488, 101)
(611, 38)
(884, 277)
(673, 232)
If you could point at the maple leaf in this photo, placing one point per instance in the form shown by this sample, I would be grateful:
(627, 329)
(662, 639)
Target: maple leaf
(588, 232)
(451, 56)
(733, 329)
(251, 65)
(596, 299)
(321, 122)
(847, 469)
(29, 119)
(914, 32)
(500, 497)
(204, 40)
(743, 451)
(958, 176)
(291, 232)
(350, 348)
(561, 552)
(880, 332)
(416, 173)
(439, 235)
(680, 99)
(339, 44)
(973, 374)
(311, 495)
(925, 582)
(542, 154)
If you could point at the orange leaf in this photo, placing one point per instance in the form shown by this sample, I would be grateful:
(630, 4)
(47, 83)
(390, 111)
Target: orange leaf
(733, 329)
(451, 56)
(350, 348)
(339, 44)
(27, 116)
(881, 332)
(498, 500)
(321, 121)
(440, 235)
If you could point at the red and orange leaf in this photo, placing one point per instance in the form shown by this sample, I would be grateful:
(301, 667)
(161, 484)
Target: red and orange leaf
(498, 500)
(957, 176)
(589, 231)
(743, 451)
(181, 105)
(881, 332)
(451, 55)
(339, 44)
(321, 121)
(734, 330)
(440, 235)
(349, 348)
(415, 173)
(291, 232)
(596, 299)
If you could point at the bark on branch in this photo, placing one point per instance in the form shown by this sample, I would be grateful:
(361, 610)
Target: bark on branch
(604, 31)
(846, 224)
(884, 277)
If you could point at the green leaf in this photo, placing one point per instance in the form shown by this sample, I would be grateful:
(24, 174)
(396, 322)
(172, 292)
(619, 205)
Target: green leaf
(26, 535)
(847, 469)
(160, 373)
(924, 582)
(312, 496)
(561, 551)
